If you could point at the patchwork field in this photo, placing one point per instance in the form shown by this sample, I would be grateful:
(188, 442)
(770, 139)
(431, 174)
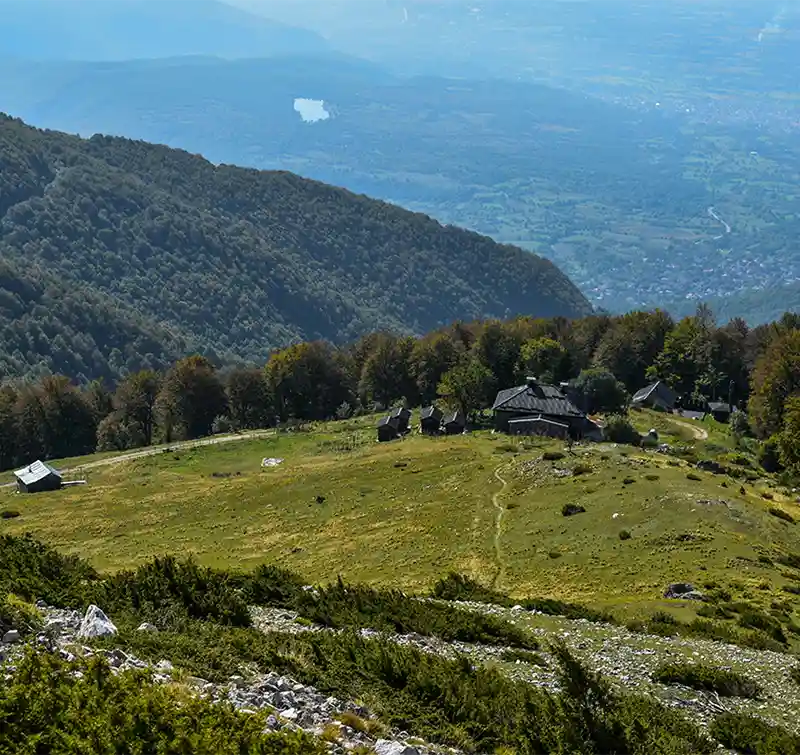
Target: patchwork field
(405, 513)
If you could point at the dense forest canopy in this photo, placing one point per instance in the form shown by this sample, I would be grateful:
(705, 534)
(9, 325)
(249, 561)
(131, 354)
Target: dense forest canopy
(605, 358)
(122, 255)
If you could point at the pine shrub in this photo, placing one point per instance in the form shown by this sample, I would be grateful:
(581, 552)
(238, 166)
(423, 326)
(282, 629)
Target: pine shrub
(703, 677)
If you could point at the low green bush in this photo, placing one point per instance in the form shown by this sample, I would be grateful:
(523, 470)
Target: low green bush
(460, 587)
(570, 509)
(553, 455)
(19, 614)
(46, 708)
(449, 702)
(356, 606)
(618, 429)
(32, 570)
(9, 514)
(753, 736)
(763, 622)
(703, 677)
(624, 535)
(781, 514)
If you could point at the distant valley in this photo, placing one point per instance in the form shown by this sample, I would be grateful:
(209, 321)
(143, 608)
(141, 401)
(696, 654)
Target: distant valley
(618, 198)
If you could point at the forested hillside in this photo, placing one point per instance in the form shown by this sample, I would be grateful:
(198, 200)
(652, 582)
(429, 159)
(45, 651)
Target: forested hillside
(171, 253)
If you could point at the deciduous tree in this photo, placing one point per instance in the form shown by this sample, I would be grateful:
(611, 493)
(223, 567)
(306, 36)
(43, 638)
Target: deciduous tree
(776, 378)
(601, 391)
(307, 381)
(250, 403)
(468, 386)
(191, 397)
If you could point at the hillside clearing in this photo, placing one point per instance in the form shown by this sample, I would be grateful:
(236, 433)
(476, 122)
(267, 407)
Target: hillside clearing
(405, 513)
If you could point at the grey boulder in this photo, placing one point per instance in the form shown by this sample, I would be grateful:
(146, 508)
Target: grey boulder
(12, 635)
(96, 624)
(387, 747)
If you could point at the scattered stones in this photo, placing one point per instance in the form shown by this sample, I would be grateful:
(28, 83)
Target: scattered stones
(385, 747)
(290, 704)
(96, 624)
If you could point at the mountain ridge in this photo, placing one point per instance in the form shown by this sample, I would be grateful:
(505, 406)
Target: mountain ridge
(234, 262)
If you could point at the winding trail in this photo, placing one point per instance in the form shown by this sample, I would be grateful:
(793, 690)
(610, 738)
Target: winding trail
(155, 450)
(498, 527)
(698, 432)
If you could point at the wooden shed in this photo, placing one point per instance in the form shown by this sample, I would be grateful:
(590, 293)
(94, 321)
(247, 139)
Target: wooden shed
(720, 410)
(387, 429)
(455, 423)
(38, 478)
(403, 417)
(430, 421)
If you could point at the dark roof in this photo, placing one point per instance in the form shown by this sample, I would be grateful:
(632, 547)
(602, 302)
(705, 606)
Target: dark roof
(536, 399)
(659, 387)
(430, 412)
(400, 411)
(388, 421)
(456, 418)
(35, 472)
(719, 406)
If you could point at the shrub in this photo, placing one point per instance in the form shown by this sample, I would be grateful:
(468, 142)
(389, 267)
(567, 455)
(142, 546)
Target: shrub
(754, 619)
(794, 674)
(570, 509)
(16, 613)
(166, 590)
(451, 702)
(554, 555)
(460, 587)
(33, 570)
(693, 477)
(754, 736)
(9, 514)
(618, 429)
(359, 606)
(703, 677)
(581, 469)
(624, 535)
(769, 456)
(364, 725)
(553, 455)
(63, 713)
(781, 514)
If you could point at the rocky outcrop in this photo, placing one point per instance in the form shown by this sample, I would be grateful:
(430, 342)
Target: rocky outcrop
(96, 624)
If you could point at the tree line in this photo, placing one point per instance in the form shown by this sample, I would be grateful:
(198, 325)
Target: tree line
(606, 358)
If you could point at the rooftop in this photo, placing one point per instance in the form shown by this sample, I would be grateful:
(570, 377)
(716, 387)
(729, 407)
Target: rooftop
(35, 472)
(536, 398)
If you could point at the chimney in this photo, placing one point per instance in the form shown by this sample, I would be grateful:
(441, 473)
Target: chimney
(532, 382)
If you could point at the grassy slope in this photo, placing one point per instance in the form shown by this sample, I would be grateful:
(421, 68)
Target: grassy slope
(408, 525)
